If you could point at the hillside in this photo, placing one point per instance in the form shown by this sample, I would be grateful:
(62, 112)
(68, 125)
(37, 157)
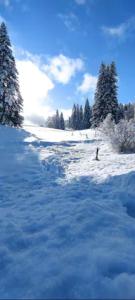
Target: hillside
(67, 221)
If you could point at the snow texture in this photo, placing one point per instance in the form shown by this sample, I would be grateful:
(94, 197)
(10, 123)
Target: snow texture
(67, 226)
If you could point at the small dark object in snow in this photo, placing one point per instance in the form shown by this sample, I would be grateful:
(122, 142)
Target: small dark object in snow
(97, 151)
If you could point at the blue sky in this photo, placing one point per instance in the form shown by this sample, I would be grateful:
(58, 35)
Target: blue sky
(59, 45)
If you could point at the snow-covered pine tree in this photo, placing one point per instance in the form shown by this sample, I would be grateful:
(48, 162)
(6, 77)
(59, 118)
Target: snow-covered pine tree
(99, 100)
(78, 124)
(10, 98)
(57, 120)
(81, 117)
(87, 115)
(106, 95)
(74, 117)
(69, 123)
(120, 113)
(111, 96)
(62, 122)
(129, 111)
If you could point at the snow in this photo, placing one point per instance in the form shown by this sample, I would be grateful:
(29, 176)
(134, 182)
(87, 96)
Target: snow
(67, 226)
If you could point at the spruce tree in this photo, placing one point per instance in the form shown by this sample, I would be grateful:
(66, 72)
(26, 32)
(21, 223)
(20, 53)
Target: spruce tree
(10, 98)
(62, 122)
(111, 99)
(99, 105)
(120, 113)
(78, 121)
(106, 95)
(57, 120)
(87, 115)
(129, 111)
(69, 123)
(81, 118)
(74, 117)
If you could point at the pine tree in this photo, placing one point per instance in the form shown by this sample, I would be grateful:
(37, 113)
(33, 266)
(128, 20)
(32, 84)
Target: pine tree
(69, 123)
(87, 115)
(120, 113)
(81, 118)
(129, 111)
(10, 98)
(99, 105)
(78, 121)
(62, 122)
(112, 101)
(57, 120)
(74, 118)
(106, 95)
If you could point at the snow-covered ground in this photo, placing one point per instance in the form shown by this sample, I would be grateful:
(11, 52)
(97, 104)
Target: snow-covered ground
(67, 221)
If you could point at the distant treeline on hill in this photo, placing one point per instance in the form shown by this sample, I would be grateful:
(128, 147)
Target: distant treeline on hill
(79, 119)
(82, 118)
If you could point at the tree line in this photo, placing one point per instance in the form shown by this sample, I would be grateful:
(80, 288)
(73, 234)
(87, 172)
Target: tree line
(56, 121)
(105, 102)
(79, 119)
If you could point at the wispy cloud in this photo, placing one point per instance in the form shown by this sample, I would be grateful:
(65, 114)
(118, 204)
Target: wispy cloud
(88, 84)
(9, 4)
(123, 30)
(70, 20)
(5, 2)
(80, 2)
(62, 68)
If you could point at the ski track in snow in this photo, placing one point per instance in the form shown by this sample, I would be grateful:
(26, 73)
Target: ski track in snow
(67, 226)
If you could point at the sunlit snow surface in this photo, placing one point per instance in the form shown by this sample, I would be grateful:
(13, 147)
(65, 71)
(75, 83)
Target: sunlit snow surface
(67, 221)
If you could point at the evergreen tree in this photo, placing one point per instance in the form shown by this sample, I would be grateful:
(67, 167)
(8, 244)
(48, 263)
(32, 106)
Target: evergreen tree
(112, 101)
(69, 125)
(87, 115)
(120, 113)
(129, 111)
(81, 118)
(99, 105)
(106, 95)
(10, 97)
(50, 122)
(57, 120)
(74, 118)
(62, 122)
(78, 123)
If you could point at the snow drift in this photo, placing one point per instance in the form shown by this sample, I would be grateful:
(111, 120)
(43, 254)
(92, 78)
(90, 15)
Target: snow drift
(67, 228)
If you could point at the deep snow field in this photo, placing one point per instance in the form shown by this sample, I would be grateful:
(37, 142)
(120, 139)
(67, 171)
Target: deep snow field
(67, 221)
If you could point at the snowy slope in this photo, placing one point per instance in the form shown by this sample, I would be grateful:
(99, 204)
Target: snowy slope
(67, 226)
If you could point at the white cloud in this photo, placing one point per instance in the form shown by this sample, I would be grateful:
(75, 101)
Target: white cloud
(66, 113)
(35, 86)
(63, 68)
(70, 21)
(80, 2)
(2, 19)
(36, 83)
(88, 84)
(122, 30)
